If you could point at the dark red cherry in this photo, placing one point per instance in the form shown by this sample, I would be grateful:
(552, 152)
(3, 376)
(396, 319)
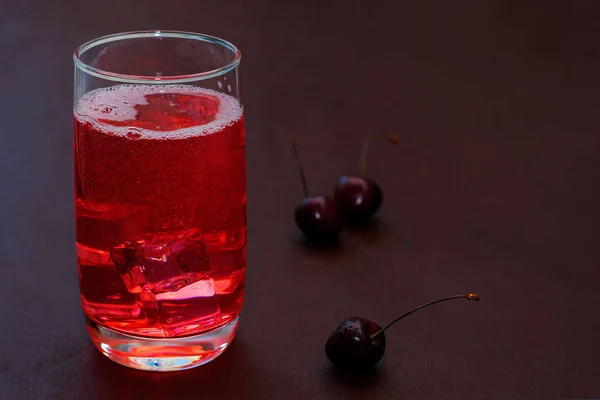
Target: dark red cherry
(359, 197)
(359, 343)
(350, 346)
(319, 218)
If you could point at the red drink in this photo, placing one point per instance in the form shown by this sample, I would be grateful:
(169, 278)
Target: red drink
(160, 193)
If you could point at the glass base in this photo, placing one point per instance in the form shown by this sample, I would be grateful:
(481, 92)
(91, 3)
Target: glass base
(168, 354)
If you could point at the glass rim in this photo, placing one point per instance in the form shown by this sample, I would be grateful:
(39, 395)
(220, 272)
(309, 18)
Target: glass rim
(168, 79)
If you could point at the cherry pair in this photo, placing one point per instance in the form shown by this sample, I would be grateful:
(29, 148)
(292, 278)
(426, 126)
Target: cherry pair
(355, 200)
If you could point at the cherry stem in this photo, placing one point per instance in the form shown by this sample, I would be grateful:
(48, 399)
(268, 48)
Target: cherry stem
(363, 157)
(300, 169)
(470, 296)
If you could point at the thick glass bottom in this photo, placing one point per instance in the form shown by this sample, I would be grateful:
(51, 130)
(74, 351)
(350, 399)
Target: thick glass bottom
(169, 354)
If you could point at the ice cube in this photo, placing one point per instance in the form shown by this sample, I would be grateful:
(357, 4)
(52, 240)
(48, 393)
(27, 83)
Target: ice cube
(201, 288)
(150, 306)
(162, 262)
(191, 309)
(229, 268)
(103, 293)
(99, 224)
(89, 255)
(179, 317)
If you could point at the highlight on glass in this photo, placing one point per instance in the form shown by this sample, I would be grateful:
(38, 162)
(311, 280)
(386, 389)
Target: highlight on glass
(160, 196)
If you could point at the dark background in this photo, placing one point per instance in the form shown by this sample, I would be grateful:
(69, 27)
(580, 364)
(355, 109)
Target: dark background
(493, 189)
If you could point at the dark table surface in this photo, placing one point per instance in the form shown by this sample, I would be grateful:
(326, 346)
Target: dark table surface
(493, 189)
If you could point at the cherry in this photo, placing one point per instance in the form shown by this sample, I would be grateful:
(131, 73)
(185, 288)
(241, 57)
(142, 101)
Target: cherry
(360, 197)
(350, 346)
(320, 218)
(359, 343)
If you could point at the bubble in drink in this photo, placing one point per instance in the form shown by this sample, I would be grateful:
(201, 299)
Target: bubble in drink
(160, 193)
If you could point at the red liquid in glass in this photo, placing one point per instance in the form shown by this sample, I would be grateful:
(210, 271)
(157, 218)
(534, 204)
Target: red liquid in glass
(160, 207)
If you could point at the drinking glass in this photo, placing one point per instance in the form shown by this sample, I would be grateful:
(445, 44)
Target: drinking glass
(160, 196)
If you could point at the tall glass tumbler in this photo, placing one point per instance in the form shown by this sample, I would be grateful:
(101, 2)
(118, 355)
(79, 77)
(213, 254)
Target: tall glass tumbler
(160, 196)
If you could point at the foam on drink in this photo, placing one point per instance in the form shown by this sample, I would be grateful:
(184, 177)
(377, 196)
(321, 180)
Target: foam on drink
(117, 103)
